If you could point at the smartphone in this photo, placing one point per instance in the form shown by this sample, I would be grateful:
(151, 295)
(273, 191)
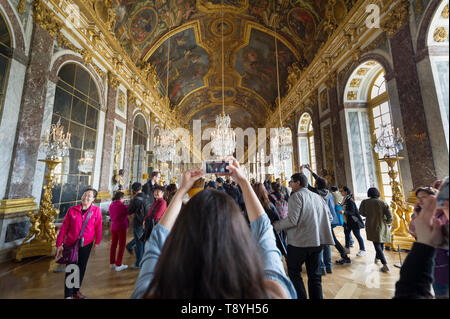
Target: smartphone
(215, 167)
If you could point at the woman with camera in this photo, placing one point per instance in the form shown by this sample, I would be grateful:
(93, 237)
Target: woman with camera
(204, 250)
(416, 275)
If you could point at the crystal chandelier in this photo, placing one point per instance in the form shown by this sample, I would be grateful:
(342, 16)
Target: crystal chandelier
(165, 145)
(388, 143)
(281, 141)
(223, 138)
(86, 164)
(55, 144)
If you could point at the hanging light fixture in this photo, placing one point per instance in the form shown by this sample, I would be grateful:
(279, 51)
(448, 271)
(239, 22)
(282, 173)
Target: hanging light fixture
(165, 142)
(223, 138)
(281, 139)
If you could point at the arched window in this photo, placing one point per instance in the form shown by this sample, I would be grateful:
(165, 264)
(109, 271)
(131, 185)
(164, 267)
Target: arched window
(140, 138)
(306, 147)
(438, 38)
(5, 59)
(367, 89)
(380, 115)
(77, 107)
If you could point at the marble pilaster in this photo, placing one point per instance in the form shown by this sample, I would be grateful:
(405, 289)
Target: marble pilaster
(9, 118)
(317, 138)
(410, 99)
(108, 140)
(128, 143)
(25, 154)
(338, 144)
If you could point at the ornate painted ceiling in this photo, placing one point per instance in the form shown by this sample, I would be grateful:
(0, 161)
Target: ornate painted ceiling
(185, 37)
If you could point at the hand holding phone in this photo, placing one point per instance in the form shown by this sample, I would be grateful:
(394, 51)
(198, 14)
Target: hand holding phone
(215, 167)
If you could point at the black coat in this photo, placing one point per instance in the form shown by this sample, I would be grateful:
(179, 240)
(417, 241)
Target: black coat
(139, 207)
(354, 219)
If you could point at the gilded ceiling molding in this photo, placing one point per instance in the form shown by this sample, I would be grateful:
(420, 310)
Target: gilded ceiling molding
(100, 14)
(352, 30)
(46, 18)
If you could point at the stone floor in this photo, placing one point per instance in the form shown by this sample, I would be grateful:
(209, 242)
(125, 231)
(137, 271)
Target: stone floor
(34, 278)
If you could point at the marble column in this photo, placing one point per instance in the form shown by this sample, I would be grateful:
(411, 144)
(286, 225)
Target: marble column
(27, 140)
(128, 142)
(108, 140)
(411, 103)
(338, 144)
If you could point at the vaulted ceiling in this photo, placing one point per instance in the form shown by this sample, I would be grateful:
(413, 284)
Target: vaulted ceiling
(185, 37)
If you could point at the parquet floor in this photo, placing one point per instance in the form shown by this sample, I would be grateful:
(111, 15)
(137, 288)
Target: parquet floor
(34, 278)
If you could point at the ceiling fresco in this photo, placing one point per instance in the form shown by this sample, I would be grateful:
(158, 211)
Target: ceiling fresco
(249, 29)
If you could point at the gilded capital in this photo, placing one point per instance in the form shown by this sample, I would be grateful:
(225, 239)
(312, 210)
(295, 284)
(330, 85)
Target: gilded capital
(396, 18)
(113, 81)
(46, 18)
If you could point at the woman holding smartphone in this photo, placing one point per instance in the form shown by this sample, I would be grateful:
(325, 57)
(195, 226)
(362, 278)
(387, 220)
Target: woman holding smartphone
(204, 250)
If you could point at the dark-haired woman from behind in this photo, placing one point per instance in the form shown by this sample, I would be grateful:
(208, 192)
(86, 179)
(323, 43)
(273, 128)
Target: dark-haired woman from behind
(273, 215)
(119, 225)
(206, 251)
(352, 221)
(378, 218)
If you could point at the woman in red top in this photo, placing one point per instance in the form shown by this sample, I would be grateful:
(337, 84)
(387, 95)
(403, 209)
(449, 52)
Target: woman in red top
(158, 208)
(118, 212)
(159, 205)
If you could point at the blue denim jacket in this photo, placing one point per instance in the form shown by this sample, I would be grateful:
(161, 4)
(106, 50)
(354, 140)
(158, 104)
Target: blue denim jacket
(262, 232)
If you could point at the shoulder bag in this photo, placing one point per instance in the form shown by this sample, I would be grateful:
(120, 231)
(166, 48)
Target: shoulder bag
(70, 253)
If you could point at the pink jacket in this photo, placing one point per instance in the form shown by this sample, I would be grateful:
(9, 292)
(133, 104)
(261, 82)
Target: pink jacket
(73, 222)
(119, 215)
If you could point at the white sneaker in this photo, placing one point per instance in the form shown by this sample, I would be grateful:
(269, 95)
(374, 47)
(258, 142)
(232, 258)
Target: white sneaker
(361, 253)
(112, 265)
(121, 267)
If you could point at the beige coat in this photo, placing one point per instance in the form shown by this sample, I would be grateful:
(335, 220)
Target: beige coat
(378, 216)
(308, 223)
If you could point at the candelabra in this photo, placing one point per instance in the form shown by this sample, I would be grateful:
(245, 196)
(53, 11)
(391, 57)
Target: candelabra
(388, 145)
(42, 235)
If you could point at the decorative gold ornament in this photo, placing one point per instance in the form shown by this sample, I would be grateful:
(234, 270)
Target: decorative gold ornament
(396, 18)
(445, 12)
(401, 210)
(355, 83)
(362, 71)
(118, 148)
(113, 81)
(42, 231)
(440, 34)
(21, 6)
(46, 18)
(351, 95)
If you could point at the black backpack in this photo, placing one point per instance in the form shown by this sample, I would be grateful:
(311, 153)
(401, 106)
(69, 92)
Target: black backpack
(144, 208)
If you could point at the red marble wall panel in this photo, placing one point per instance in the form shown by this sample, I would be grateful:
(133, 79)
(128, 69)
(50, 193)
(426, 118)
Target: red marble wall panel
(410, 98)
(25, 154)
